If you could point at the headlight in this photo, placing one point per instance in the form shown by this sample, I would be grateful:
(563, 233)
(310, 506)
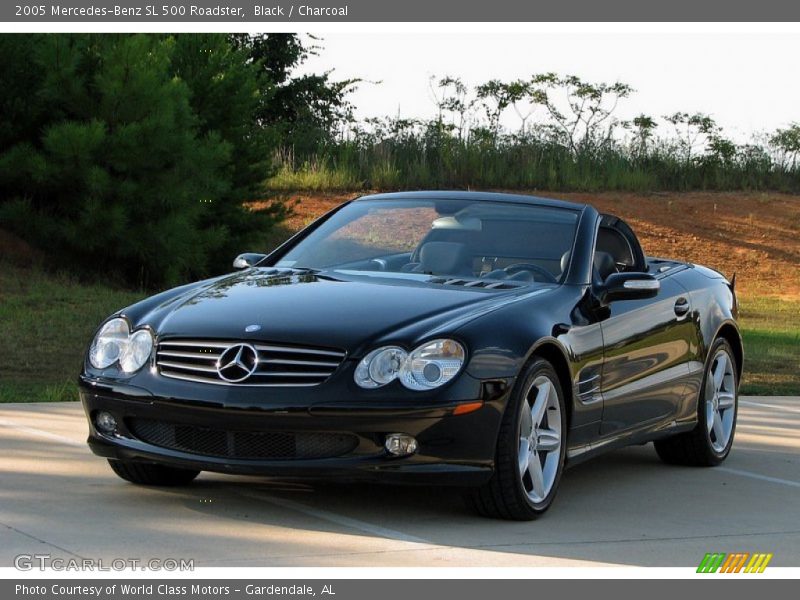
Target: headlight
(432, 364)
(380, 366)
(140, 345)
(109, 343)
(115, 343)
(429, 366)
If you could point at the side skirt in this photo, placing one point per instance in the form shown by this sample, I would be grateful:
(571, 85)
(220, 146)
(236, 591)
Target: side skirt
(631, 437)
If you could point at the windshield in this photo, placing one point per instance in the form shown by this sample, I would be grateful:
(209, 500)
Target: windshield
(450, 238)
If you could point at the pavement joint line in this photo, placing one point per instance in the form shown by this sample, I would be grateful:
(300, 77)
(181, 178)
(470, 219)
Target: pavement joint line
(41, 433)
(333, 517)
(790, 409)
(479, 547)
(676, 538)
(40, 540)
(758, 476)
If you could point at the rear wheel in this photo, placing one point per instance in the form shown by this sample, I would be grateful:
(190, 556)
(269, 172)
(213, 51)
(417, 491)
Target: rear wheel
(709, 443)
(151, 474)
(530, 449)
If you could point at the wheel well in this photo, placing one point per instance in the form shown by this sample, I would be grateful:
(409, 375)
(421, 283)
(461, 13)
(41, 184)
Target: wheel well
(730, 333)
(553, 354)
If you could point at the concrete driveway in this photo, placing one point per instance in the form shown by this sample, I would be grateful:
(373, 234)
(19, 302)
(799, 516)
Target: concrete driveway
(626, 508)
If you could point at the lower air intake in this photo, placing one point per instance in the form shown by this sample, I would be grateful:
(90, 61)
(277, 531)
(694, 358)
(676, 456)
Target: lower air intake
(242, 444)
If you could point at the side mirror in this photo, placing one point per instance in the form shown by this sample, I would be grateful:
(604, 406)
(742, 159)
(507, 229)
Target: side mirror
(627, 286)
(248, 259)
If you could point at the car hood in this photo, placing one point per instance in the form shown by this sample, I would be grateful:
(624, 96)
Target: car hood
(349, 312)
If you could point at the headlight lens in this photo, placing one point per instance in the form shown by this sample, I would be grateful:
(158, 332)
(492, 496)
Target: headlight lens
(429, 366)
(140, 345)
(432, 364)
(115, 343)
(380, 367)
(109, 343)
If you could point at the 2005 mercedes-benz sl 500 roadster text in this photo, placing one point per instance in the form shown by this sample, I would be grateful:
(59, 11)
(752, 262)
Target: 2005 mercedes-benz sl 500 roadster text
(475, 339)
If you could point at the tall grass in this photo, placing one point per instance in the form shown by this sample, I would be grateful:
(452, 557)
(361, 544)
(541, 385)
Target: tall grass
(419, 160)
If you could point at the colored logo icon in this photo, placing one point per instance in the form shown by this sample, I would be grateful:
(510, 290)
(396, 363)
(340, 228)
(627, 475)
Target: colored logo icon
(737, 562)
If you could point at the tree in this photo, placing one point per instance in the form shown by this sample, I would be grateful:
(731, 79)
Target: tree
(225, 95)
(496, 96)
(643, 128)
(453, 98)
(787, 141)
(309, 109)
(118, 179)
(584, 115)
(693, 131)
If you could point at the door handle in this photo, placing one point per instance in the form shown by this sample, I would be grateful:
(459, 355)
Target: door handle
(681, 306)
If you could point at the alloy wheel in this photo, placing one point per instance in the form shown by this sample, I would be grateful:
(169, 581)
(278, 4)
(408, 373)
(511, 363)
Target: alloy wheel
(720, 398)
(539, 439)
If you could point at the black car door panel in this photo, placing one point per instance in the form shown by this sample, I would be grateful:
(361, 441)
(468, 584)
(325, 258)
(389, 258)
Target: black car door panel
(647, 348)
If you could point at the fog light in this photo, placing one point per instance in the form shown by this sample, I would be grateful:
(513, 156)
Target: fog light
(400, 444)
(105, 422)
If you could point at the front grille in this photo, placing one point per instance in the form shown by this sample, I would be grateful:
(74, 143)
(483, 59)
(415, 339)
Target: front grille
(277, 364)
(242, 444)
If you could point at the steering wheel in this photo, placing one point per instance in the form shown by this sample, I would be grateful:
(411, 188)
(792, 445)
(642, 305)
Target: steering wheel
(516, 267)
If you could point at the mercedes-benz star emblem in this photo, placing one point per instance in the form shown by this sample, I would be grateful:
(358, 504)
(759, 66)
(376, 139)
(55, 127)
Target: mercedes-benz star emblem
(237, 363)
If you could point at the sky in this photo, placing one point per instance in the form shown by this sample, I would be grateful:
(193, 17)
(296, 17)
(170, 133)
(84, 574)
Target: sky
(748, 82)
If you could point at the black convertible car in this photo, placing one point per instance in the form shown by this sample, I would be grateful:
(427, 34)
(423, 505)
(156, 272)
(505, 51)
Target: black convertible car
(474, 339)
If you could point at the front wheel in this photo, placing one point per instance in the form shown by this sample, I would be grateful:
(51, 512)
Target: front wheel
(151, 474)
(709, 443)
(530, 449)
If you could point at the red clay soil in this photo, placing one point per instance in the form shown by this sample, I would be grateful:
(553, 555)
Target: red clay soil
(756, 235)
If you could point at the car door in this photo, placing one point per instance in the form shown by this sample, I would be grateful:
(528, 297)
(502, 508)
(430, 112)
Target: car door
(645, 358)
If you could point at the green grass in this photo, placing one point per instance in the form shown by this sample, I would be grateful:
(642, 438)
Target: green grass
(771, 332)
(315, 177)
(46, 322)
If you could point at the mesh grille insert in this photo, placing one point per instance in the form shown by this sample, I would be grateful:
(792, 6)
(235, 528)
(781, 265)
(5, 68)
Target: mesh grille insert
(242, 444)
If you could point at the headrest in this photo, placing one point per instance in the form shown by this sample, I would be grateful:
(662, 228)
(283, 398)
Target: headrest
(565, 260)
(445, 258)
(604, 263)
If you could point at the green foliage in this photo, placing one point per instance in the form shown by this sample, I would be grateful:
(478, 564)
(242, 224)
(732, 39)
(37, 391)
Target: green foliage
(569, 139)
(303, 111)
(132, 155)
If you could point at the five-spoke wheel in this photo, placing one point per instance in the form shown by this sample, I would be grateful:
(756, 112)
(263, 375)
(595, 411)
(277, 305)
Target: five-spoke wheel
(539, 438)
(709, 443)
(530, 448)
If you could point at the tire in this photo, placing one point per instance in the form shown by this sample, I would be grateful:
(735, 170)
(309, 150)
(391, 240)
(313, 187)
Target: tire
(703, 446)
(511, 493)
(152, 474)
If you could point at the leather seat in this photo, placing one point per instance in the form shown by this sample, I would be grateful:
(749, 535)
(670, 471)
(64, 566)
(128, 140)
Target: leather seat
(444, 258)
(604, 263)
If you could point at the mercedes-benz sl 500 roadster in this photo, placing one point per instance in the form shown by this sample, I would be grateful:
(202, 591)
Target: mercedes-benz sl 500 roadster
(474, 339)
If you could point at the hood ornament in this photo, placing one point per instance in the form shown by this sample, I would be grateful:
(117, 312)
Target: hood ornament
(252, 328)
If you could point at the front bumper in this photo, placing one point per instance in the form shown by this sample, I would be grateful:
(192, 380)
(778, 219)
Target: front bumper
(453, 449)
